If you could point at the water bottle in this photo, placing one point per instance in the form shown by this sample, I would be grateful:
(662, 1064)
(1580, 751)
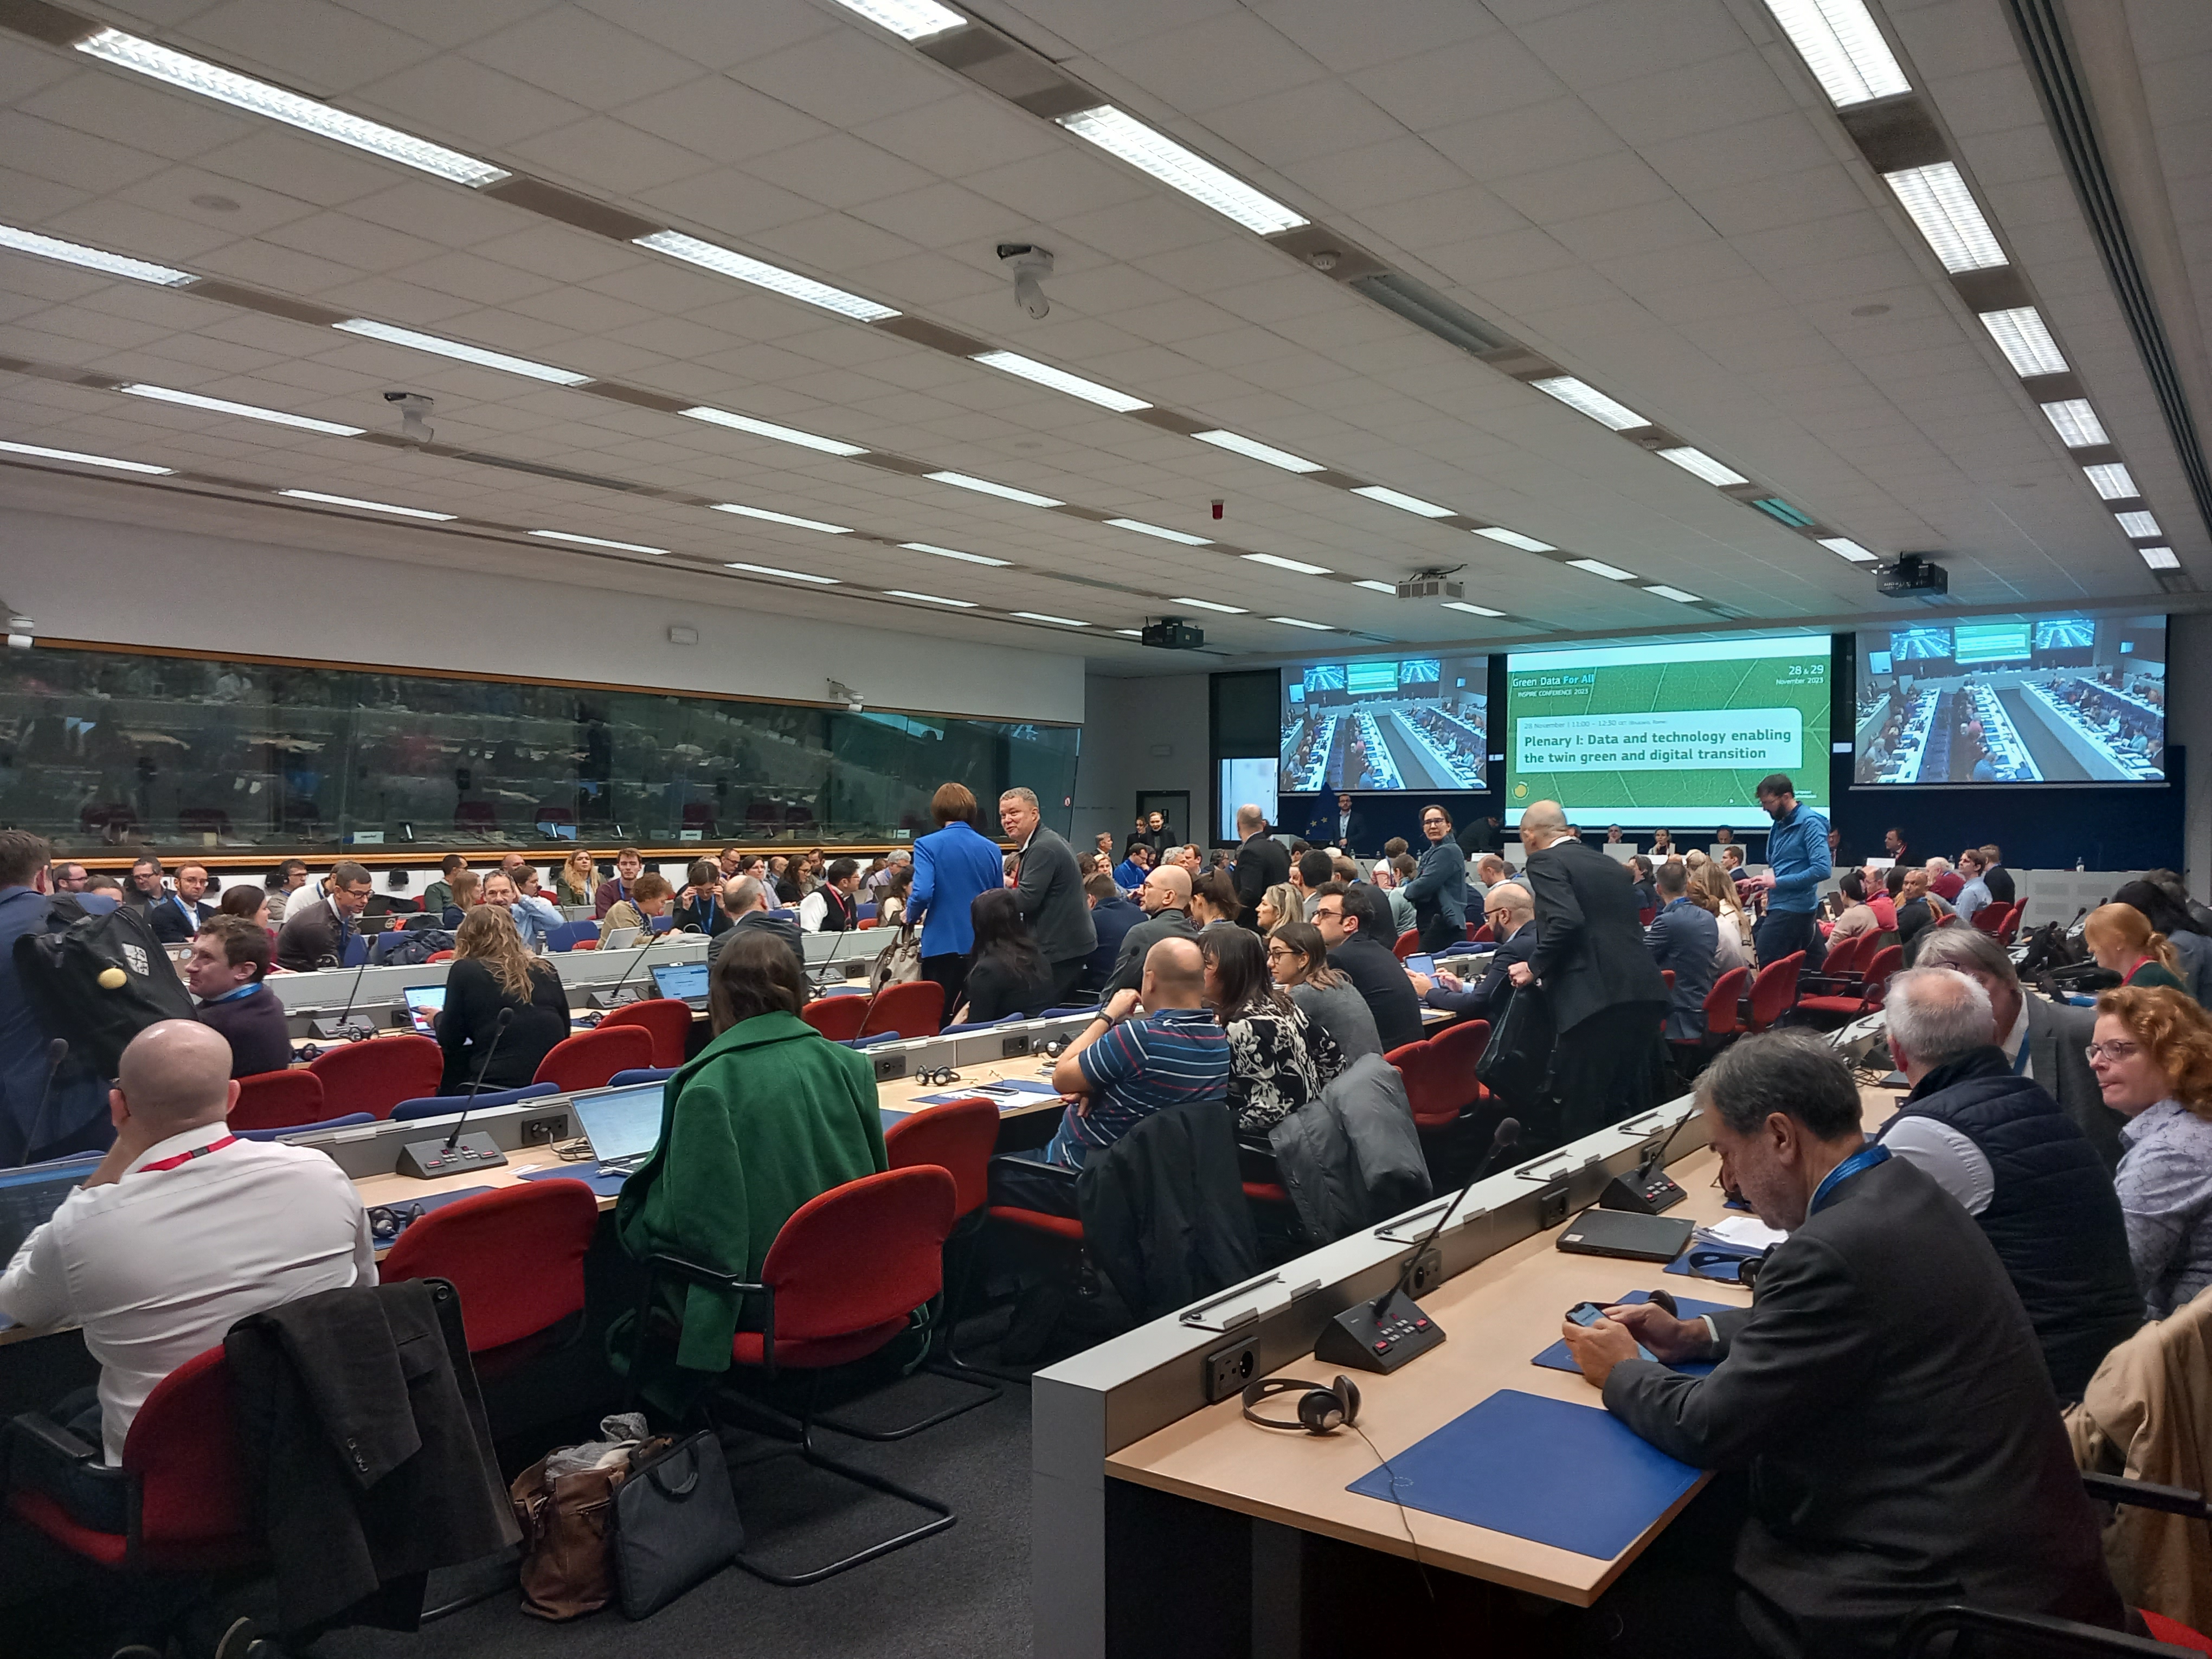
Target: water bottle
(2078, 864)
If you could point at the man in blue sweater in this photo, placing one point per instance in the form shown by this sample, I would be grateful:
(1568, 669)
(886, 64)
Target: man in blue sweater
(1797, 856)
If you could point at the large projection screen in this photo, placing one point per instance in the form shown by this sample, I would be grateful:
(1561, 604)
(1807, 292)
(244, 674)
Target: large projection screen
(2051, 698)
(1674, 735)
(1385, 724)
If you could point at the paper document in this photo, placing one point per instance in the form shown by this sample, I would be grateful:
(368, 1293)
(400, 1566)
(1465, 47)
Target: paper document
(1742, 1232)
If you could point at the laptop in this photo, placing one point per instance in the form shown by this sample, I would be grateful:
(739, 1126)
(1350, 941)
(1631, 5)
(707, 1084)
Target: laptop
(620, 939)
(424, 1003)
(30, 1195)
(623, 1124)
(684, 980)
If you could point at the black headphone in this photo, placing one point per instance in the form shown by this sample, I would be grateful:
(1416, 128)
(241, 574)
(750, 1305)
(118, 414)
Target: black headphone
(1322, 1409)
(936, 1076)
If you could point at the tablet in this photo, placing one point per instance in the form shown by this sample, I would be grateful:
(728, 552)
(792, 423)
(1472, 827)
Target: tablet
(424, 1003)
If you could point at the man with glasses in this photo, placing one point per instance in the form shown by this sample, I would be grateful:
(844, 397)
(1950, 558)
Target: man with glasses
(1165, 900)
(315, 935)
(1438, 889)
(178, 916)
(1354, 921)
(1511, 914)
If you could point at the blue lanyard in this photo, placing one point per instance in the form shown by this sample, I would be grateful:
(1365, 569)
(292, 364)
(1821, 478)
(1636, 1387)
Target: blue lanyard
(233, 996)
(190, 914)
(1865, 1158)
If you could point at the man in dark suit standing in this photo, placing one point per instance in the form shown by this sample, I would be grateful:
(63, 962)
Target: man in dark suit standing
(1885, 1391)
(1341, 827)
(1605, 994)
(1262, 863)
(1048, 886)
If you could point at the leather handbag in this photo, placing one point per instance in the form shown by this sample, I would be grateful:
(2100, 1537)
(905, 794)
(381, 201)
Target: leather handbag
(676, 1524)
(1519, 1057)
(566, 1522)
(898, 963)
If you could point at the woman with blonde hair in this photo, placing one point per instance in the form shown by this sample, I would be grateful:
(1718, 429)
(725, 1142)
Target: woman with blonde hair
(577, 879)
(468, 889)
(2120, 937)
(1279, 904)
(1713, 892)
(2152, 1056)
(491, 974)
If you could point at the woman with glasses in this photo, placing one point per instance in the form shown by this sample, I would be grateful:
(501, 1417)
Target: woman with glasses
(1297, 958)
(2152, 1056)
(1278, 1059)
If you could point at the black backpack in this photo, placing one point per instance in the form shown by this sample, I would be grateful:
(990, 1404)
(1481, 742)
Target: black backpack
(98, 981)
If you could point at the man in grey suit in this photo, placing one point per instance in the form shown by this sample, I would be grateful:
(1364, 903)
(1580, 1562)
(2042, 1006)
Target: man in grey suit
(1050, 889)
(1884, 1391)
(2053, 1034)
(1165, 897)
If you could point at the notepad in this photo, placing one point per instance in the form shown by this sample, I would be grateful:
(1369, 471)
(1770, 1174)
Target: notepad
(1574, 1477)
(1557, 1358)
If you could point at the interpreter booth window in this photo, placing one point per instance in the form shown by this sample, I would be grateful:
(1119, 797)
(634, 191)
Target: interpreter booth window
(104, 749)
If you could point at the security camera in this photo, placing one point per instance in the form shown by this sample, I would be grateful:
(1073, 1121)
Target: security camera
(1027, 266)
(414, 414)
(845, 694)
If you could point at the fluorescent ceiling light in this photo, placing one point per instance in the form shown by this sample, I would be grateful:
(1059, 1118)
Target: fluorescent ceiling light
(162, 394)
(727, 262)
(2112, 481)
(368, 507)
(1013, 362)
(1586, 399)
(2139, 525)
(2025, 339)
(1599, 568)
(2077, 424)
(1297, 621)
(92, 259)
(456, 348)
(1673, 593)
(1937, 199)
(909, 20)
(1391, 588)
(954, 553)
(599, 541)
(82, 460)
(1253, 448)
(984, 486)
(2159, 558)
(1515, 538)
(930, 599)
(1068, 622)
(788, 575)
(1844, 547)
(762, 513)
(1704, 465)
(1208, 604)
(1281, 563)
(1131, 633)
(1471, 610)
(1164, 533)
(1402, 501)
(1839, 43)
(259, 98)
(1122, 135)
(782, 434)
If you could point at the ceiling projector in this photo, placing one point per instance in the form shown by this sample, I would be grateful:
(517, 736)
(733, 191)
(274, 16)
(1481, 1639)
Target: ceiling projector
(1172, 633)
(1913, 576)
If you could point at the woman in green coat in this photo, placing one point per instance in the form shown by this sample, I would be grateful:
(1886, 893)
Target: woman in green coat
(770, 1115)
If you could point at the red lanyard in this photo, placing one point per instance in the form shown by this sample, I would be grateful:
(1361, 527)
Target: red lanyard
(186, 1158)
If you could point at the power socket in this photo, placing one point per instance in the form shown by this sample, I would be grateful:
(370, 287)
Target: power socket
(891, 1067)
(1428, 1273)
(544, 1131)
(1552, 1206)
(1228, 1369)
(1017, 1044)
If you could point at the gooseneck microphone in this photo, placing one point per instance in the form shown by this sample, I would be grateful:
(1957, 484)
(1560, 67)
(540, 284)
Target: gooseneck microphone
(426, 1160)
(1508, 1136)
(338, 1028)
(476, 1083)
(1648, 1189)
(609, 999)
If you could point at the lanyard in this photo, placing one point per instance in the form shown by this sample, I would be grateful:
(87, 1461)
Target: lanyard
(233, 996)
(186, 1158)
(1865, 1158)
(192, 916)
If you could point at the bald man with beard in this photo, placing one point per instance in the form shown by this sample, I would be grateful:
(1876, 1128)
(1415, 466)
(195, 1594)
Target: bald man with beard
(1165, 900)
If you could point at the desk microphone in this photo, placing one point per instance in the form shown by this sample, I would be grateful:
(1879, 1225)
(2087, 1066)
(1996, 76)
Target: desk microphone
(1383, 1334)
(454, 1156)
(611, 998)
(338, 1028)
(1648, 1189)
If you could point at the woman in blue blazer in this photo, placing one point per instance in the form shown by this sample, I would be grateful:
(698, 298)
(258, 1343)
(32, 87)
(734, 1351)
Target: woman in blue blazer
(950, 867)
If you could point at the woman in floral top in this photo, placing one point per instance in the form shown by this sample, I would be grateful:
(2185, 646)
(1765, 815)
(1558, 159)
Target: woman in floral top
(1278, 1059)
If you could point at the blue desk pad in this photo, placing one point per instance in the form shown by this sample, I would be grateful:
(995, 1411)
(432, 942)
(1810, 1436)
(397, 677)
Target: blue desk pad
(605, 1185)
(1558, 1360)
(1574, 1477)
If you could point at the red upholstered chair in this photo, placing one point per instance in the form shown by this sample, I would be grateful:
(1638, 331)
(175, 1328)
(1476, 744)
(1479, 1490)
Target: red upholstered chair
(2011, 929)
(1668, 975)
(589, 1059)
(279, 1100)
(1774, 993)
(916, 1009)
(841, 1281)
(375, 1076)
(1408, 943)
(1480, 935)
(666, 1020)
(1721, 1002)
(957, 1138)
(1643, 917)
(516, 1256)
(1433, 1088)
(1840, 1009)
(187, 1505)
(837, 1019)
(1990, 917)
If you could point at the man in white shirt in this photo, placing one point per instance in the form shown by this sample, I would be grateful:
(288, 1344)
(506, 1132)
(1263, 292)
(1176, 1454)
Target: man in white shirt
(833, 906)
(184, 1229)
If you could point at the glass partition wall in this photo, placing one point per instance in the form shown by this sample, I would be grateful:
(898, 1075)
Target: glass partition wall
(107, 749)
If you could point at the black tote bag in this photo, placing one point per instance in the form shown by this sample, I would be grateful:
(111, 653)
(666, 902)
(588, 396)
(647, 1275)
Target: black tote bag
(676, 1524)
(1514, 1064)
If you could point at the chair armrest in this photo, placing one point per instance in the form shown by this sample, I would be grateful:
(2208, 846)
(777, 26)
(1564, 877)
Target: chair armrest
(51, 1439)
(694, 1273)
(2146, 1495)
(2028, 1632)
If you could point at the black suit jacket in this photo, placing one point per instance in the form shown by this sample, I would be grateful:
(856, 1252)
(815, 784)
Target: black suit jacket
(2056, 1034)
(1998, 880)
(1480, 837)
(1323, 831)
(1049, 890)
(1887, 1395)
(1262, 862)
(1486, 999)
(1382, 979)
(1589, 935)
(168, 920)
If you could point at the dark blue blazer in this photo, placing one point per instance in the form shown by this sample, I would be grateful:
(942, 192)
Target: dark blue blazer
(1485, 997)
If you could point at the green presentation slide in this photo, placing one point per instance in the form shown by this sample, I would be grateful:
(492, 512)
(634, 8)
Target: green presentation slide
(1669, 736)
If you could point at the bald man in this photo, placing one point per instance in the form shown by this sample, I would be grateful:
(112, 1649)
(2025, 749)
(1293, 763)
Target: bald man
(1606, 995)
(1511, 914)
(1165, 900)
(183, 1230)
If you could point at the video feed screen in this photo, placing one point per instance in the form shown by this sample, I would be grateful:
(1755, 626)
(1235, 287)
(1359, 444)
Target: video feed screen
(2041, 700)
(1386, 724)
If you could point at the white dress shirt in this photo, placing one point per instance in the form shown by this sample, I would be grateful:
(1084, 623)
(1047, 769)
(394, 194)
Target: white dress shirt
(1948, 1158)
(157, 1266)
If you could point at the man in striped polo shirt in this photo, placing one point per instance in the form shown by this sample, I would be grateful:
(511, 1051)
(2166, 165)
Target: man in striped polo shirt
(1123, 1068)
